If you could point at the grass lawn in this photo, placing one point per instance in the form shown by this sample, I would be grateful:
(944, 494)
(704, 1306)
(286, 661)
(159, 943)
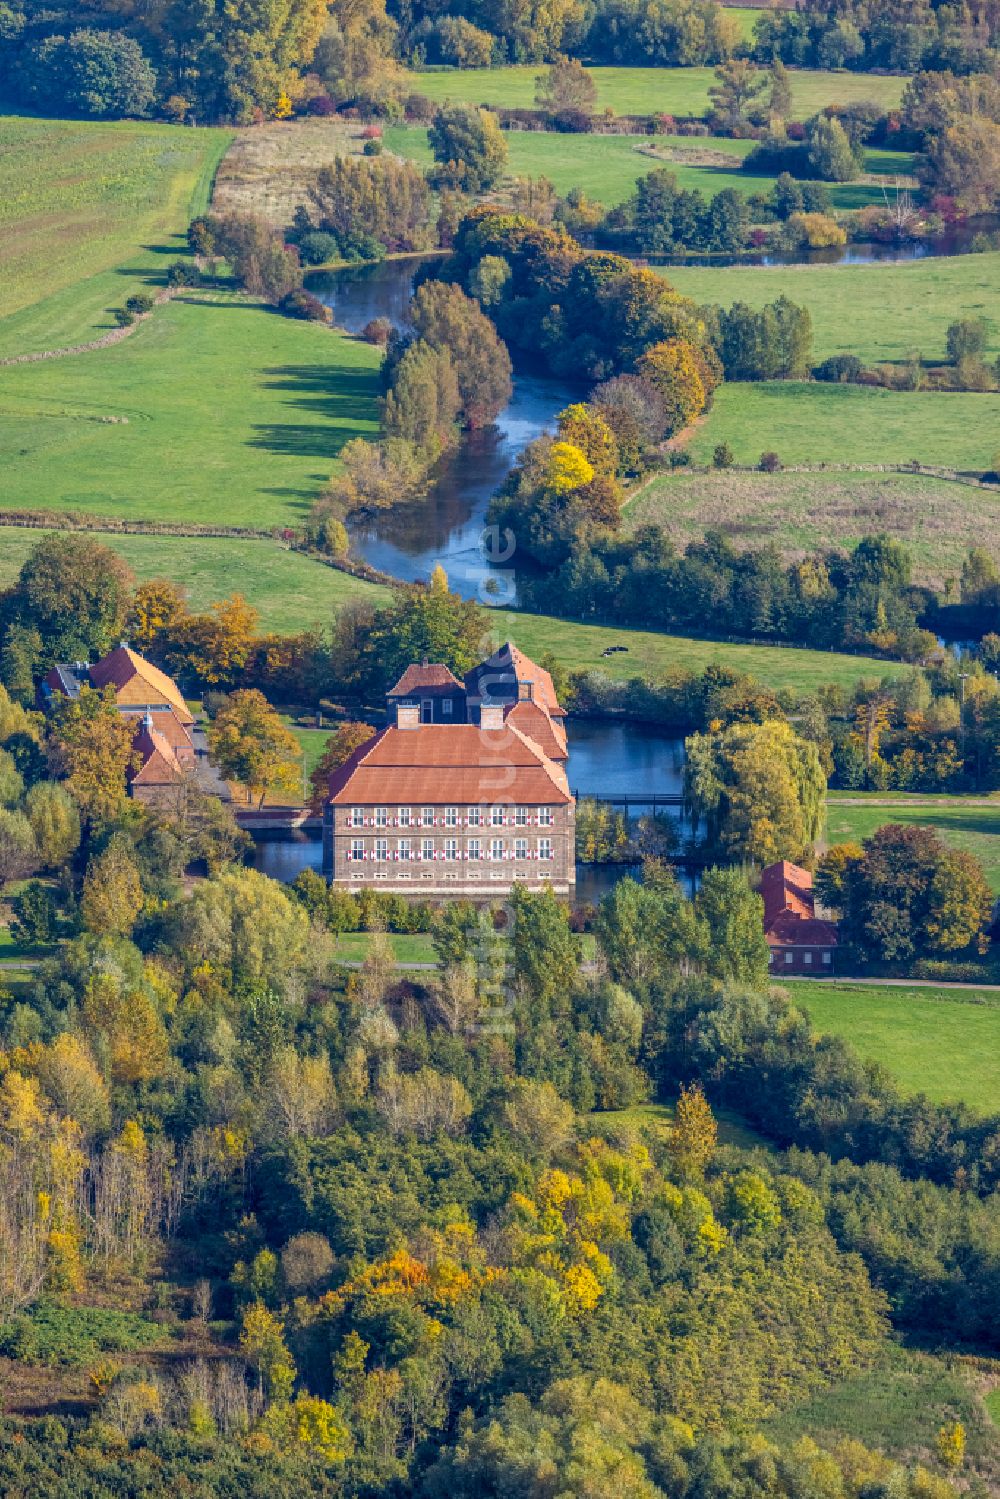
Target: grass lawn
(973, 828)
(898, 1409)
(679, 91)
(232, 414)
(814, 423)
(292, 591)
(578, 647)
(942, 1042)
(654, 1119)
(89, 212)
(409, 947)
(607, 167)
(800, 513)
(891, 310)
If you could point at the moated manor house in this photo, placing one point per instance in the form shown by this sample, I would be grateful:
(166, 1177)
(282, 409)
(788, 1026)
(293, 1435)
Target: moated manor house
(463, 793)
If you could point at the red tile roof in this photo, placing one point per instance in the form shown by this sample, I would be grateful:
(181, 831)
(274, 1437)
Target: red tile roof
(789, 908)
(420, 678)
(166, 723)
(435, 764)
(126, 669)
(159, 765)
(548, 732)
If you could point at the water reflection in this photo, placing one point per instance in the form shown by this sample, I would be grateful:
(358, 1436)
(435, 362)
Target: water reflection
(446, 525)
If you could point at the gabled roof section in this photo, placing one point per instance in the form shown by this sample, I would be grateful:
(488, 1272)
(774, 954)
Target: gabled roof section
(425, 677)
(537, 723)
(165, 721)
(435, 764)
(497, 679)
(790, 918)
(133, 676)
(160, 764)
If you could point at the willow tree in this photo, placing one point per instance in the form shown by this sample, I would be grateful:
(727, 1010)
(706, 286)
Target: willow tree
(758, 789)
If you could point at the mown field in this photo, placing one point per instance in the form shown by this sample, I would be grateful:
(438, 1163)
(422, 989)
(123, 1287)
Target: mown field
(942, 1042)
(232, 414)
(607, 167)
(802, 513)
(88, 213)
(679, 91)
(814, 423)
(895, 310)
(973, 826)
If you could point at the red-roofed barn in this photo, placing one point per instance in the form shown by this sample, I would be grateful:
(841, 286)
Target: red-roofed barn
(800, 941)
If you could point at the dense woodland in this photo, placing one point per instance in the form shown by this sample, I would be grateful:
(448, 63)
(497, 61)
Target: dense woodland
(302, 1227)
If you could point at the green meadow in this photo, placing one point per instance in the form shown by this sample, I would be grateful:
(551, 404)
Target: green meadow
(805, 512)
(607, 167)
(815, 423)
(678, 91)
(895, 310)
(941, 1042)
(88, 213)
(294, 592)
(215, 410)
(970, 825)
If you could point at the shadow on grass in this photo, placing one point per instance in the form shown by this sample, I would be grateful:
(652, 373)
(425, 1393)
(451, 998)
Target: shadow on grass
(332, 395)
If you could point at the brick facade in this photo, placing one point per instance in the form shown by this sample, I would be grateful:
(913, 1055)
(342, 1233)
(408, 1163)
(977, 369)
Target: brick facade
(447, 852)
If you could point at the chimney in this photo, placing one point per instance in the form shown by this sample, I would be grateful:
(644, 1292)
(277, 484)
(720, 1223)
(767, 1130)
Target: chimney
(491, 716)
(525, 691)
(407, 715)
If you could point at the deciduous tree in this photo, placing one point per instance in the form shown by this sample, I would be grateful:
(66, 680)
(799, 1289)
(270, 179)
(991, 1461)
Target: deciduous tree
(250, 744)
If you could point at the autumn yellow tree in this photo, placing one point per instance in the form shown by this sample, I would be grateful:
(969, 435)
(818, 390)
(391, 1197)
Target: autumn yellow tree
(672, 367)
(157, 607)
(693, 1134)
(249, 743)
(585, 427)
(90, 746)
(567, 468)
(216, 646)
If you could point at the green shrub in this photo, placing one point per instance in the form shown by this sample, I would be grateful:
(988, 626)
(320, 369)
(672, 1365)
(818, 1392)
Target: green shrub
(71, 1337)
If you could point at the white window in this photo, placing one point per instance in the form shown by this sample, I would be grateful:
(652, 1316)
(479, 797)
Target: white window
(545, 848)
(451, 849)
(496, 817)
(827, 959)
(404, 817)
(381, 849)
(545, 817)
(446, 707)
(807, 959)
(427, 850)
(789, 957)
(427, 816)
(381, 817)
(357, 817)
(426, 710)
(451, 817)
(357, 848)
(496, 848)
(403, 849)
(520, 848)
(475, 817)
(473, 850)
(521, 817)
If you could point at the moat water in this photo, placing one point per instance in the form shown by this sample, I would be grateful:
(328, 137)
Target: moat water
(607, 758)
